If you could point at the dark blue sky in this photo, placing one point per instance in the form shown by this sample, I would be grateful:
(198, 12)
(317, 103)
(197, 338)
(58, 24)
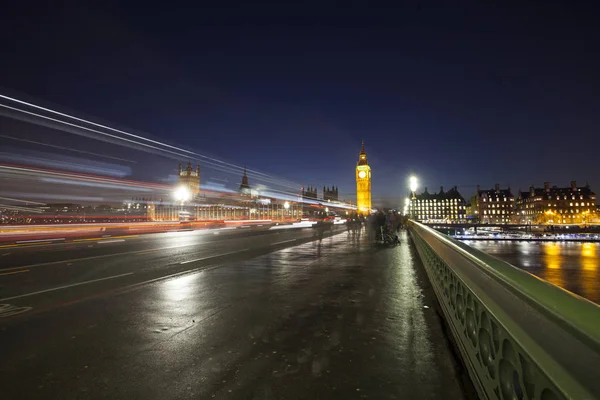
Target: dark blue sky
(461, 93)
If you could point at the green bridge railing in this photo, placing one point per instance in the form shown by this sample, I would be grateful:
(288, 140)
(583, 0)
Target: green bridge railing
(519, 336)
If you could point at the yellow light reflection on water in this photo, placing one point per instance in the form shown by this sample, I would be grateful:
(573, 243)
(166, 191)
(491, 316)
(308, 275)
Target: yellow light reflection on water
(589, 259)
(552, 255)
(552, 260)
(589, 277)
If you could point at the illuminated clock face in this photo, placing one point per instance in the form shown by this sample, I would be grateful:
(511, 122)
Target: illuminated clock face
(362, 174)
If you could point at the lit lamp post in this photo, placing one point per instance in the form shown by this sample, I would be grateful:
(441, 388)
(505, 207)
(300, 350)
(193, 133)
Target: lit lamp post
(182, 194)
(286, 206)
(412, 185)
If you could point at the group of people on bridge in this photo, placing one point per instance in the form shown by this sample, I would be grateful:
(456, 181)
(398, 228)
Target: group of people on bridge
(382, 226)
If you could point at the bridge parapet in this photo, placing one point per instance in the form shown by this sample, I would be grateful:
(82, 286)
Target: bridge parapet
(519, 336)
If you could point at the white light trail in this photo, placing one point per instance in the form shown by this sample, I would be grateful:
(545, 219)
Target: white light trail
(19, 208)
(22, 201)
(96, 184)
(69, 163)
(68, 149)
(188, 152)
(174, 155)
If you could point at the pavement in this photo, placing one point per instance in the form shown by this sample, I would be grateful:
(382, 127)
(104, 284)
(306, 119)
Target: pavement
(251, 316)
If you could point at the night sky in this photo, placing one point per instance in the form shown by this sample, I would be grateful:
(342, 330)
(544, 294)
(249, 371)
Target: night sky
(460, 93)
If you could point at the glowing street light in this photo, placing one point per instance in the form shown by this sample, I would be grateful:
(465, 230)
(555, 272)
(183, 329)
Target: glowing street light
(413, 183)
(286, 207)
(182, 194)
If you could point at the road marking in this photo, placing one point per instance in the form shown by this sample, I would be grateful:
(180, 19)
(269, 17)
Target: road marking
(88, 239)
(97, 257)
(5, 254)
(147, 252)
(125, 236)
(15, 272)
(39, 240)
(215, 256)
(282, 242)
(65, 287)
(24, 244)
(111, 241)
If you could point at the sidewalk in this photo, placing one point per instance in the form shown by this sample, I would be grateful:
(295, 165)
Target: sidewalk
(339, 320)
(371, 331)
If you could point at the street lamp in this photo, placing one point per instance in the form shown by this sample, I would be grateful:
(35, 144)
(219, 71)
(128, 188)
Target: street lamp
(286, 206)
(412, 185)
(182, 194)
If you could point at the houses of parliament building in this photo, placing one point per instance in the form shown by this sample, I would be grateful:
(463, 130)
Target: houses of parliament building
(245, 204)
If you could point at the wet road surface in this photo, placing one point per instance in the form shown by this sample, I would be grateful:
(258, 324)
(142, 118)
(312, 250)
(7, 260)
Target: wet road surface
(339, 320)
(42, 276)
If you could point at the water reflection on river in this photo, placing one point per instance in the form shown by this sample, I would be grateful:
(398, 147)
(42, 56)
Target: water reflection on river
(574, 266)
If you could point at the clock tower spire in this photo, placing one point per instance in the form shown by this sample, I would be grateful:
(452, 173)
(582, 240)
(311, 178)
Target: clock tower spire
(363, 182)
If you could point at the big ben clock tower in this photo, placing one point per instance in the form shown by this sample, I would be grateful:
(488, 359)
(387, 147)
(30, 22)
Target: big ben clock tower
(363, 183)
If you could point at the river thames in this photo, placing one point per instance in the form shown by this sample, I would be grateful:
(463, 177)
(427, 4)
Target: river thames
(571, 265)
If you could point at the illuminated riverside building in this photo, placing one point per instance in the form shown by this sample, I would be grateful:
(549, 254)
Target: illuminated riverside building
(189, 202)
(495, 206)
(554, 205)
(446, 207)
(363, 183)
(190, 179)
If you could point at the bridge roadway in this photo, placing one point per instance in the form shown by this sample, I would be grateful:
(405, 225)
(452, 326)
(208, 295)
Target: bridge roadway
(235, 315)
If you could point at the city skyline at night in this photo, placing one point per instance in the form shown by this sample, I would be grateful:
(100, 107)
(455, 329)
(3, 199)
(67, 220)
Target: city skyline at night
(457, 96)
(300, 200)
(168, 176)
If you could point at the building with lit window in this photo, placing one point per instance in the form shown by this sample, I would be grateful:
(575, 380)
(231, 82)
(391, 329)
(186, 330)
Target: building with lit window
(363, 182)
(494, 206)
(446, 207)
(554, 205)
